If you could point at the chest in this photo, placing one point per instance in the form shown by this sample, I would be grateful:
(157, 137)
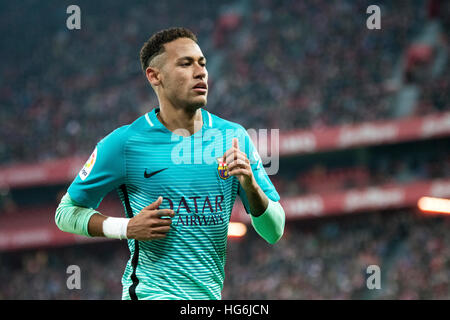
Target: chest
(184, 167)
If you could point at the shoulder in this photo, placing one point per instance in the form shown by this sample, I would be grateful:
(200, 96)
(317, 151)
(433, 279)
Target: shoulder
(116, 141)
(118, 138)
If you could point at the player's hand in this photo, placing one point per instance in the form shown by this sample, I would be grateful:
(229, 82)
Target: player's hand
(238, 165)
(148, 224)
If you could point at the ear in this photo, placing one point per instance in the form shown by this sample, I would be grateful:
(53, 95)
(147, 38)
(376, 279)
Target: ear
(153, 76)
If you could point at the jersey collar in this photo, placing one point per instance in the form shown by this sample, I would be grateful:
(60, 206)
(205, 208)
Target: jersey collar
(154, 122)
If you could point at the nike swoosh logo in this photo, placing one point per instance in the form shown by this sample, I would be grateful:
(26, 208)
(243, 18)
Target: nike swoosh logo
(148, 175)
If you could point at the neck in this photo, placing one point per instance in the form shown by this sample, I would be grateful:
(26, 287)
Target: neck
(181, 121)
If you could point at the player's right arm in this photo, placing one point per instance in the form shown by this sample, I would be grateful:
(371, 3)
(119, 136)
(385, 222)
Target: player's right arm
(103, 172)
(147, 225)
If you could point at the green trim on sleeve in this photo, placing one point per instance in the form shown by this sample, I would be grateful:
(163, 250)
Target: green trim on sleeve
(270, 225)
(72, 218)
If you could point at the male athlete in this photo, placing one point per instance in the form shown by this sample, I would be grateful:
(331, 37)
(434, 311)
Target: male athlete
(177, 201)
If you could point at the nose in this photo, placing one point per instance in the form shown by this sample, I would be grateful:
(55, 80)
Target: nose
(200, 72)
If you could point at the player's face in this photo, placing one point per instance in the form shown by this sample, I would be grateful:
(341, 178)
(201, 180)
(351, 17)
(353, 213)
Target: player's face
(184, 75)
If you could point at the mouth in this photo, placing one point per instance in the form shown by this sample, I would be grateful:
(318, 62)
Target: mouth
(201, 88)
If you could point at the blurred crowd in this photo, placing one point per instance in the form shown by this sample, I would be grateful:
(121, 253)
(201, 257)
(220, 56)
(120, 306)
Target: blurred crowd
(297, 64)
(62, 90)
(273, 64)
(43, 274)
(329, 260)
(435, 94)
(428, 246)
(316, 259)
(398, 164)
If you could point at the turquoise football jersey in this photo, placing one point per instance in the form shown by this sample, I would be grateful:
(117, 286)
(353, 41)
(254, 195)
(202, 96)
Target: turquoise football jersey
(144, 160)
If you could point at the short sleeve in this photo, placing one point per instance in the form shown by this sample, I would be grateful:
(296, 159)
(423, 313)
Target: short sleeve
(260, 174)
(104, 171)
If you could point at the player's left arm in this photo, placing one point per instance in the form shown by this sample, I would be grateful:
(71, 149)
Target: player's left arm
(268, 217)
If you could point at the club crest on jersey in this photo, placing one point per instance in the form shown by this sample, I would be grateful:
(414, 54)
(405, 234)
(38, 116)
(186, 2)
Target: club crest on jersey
(222, 169)
(87, 168)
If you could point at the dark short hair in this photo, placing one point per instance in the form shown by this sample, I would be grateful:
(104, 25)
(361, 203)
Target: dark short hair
(155, 45)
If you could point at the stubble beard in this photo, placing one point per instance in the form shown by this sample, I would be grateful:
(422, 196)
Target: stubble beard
(192, 106)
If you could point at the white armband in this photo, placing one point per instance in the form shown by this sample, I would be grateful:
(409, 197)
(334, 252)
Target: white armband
(115, 228)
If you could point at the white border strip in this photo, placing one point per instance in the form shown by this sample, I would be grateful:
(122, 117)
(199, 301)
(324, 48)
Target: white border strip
(210, 120)
(148, 120)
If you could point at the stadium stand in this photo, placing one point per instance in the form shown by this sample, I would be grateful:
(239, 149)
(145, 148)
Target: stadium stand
(320, 259)
(73, 99)
(303, 67)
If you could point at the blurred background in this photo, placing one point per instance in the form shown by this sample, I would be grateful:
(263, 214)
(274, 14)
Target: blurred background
(364, 121)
